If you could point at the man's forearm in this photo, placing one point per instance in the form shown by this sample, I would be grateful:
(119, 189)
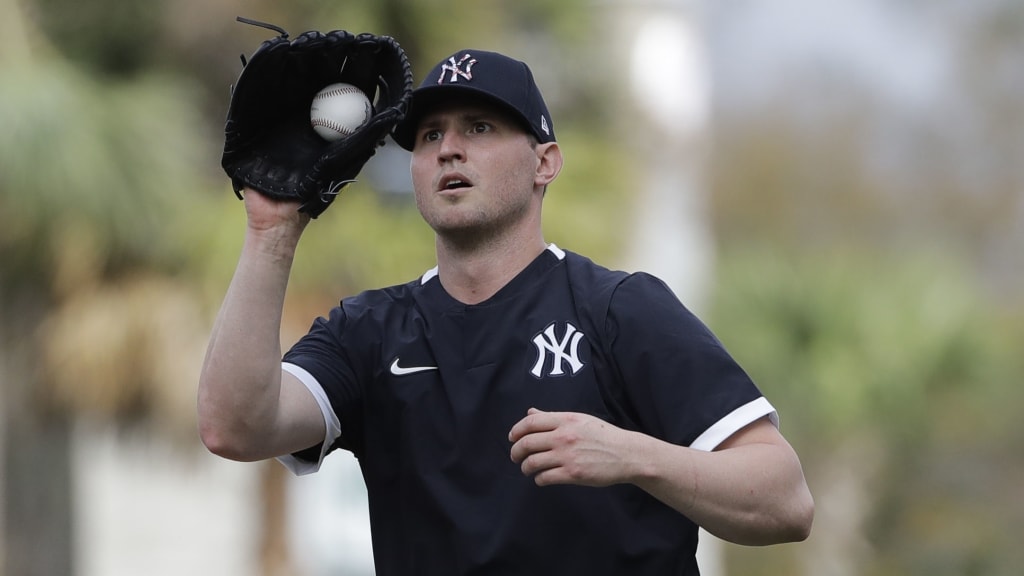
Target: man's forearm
(239, 387)
(751, 494)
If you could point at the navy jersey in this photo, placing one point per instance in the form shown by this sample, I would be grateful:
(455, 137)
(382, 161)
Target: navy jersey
(424, 390)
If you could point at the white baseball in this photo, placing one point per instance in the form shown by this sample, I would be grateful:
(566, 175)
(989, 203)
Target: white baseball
(338, 110)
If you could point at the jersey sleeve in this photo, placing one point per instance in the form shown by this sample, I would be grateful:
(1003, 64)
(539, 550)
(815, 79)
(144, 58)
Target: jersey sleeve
(683, 385)
(309, 461)
(329, 366)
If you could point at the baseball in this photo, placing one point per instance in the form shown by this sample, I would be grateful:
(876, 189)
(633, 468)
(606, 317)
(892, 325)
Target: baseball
(338, 110)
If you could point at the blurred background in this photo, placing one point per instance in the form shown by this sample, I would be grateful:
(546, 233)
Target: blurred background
(837, 188)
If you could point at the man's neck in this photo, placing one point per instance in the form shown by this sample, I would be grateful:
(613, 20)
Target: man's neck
(472, 276)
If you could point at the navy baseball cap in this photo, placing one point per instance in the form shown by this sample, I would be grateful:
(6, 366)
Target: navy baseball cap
(494, 77)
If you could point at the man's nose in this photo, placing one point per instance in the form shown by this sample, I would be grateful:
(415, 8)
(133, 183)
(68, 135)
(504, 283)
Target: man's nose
(452, 146)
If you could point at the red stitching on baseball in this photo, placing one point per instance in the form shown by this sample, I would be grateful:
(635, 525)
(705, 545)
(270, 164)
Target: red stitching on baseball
(338, 92)
(332, 125)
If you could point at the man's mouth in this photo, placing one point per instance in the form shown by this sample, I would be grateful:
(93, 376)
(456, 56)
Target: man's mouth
(454, 183)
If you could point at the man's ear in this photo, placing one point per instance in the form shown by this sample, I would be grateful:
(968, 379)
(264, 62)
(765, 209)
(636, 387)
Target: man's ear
(550, 164)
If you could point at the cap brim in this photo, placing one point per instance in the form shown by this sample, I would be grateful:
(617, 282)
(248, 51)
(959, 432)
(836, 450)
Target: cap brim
(425, 99)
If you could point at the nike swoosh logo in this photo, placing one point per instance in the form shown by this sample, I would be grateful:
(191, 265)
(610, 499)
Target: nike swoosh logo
(400, 371)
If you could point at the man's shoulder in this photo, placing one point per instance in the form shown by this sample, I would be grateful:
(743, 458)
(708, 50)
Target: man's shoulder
(585, 274)
(397, 295)
(583, 270)
(606, 290)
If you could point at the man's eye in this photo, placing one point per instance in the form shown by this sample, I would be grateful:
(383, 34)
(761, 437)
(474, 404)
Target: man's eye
(431, 135)
(480, 128)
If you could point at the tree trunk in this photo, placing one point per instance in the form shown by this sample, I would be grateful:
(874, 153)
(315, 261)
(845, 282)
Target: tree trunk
(274, 554)
(36, 529)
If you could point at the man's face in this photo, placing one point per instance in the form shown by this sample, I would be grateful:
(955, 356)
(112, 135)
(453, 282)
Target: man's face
(474, 170)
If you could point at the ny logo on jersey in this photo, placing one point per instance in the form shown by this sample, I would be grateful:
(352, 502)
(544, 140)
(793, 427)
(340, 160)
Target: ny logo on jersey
(462, 68)
(562, 350)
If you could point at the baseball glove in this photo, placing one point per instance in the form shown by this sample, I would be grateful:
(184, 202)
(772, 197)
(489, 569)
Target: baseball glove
(269, 143)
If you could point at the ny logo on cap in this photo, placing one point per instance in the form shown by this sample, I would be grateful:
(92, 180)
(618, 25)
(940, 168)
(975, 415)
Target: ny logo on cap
(463, 68)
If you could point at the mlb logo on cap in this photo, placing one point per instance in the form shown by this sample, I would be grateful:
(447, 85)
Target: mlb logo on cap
(492, 76)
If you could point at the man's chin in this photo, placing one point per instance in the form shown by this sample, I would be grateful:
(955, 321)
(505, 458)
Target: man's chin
(462, 232)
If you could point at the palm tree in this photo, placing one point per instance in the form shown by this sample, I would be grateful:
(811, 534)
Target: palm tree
(91, 174)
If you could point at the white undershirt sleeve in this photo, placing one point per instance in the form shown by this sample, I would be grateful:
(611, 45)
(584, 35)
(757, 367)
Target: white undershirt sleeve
(298, 466)
(734, 421)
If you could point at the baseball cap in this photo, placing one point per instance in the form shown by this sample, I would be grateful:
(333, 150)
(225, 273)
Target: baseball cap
(494, 77)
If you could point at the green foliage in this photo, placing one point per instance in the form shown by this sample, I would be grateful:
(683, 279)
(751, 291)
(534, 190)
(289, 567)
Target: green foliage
(904, 353)
(111, 37)
(364, 242)
(849, 339)
(585, 208)
(118, 159)
(465, 22)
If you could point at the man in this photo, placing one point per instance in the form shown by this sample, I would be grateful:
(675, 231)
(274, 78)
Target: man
(517, 409)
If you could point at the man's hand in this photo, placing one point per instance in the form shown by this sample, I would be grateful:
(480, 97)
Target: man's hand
(750, 490)
(265, 214)
(572, 448)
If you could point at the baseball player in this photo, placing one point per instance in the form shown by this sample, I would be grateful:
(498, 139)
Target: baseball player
(517, 409)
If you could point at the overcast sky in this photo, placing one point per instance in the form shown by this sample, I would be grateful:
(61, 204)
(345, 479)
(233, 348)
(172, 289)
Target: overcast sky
(902, 50)
(914, 64)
